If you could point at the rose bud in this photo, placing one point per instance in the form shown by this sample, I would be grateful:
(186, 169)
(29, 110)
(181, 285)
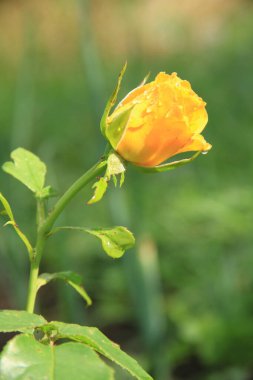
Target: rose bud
(157, 121)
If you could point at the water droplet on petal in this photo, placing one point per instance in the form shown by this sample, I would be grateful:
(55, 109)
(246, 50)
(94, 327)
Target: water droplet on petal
(204, 152)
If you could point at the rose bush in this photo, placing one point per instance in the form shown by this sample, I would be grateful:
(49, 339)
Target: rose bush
(161, 119)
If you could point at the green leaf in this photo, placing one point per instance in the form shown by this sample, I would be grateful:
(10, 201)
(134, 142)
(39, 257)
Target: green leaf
(92, 337)
(100, 189)
(115, 241)
(170, 165)
(77, 361)
(111, 101)
(17, 320)
(28, 169)
(12, 222)
(25, 358)
(73, 279)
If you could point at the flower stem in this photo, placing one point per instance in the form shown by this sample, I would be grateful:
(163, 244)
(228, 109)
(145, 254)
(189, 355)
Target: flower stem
(45, 224)
(35, 261)
(78, 185)
(32, 289)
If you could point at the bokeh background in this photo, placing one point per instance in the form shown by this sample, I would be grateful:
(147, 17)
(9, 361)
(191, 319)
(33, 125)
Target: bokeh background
(181, 302)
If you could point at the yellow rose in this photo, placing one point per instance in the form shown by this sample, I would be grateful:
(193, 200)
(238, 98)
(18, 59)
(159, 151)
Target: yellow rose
(163, 118)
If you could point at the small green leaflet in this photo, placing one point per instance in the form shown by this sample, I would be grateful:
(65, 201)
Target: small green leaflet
(18, 320)
(115, 166)
(73, 279)
(28, 169)
(115, 241)
(8, 211)
(100, 188)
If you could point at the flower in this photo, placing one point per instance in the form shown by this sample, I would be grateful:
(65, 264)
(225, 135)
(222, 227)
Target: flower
(164, 117)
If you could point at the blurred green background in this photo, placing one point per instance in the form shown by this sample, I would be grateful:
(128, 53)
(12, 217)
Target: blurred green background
(181, 302)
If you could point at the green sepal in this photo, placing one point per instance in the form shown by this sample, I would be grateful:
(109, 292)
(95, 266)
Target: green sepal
(12, 222)
(117, 126)
(111, 101)
(169, 165)
(144, 80)
(72, 278)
